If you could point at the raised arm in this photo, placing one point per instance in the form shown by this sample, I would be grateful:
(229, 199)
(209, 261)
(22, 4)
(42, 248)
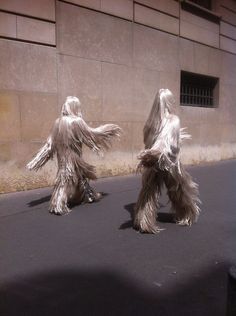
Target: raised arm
(44, 154)
(96, 138)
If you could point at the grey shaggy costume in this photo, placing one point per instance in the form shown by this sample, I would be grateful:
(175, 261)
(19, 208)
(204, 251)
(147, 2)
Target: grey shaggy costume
(160, 165)
(68, 134)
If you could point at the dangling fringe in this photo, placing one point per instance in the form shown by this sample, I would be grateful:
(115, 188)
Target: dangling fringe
(44, 154)
(183, 194)
(160, 164)
(95, 138)
(68, 135)
(148, 202)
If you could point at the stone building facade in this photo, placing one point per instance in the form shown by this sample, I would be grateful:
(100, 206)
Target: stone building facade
(114, 55)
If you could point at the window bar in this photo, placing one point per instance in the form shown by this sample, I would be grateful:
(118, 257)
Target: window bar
(197, 91)
(204, 98)
(200, 96)
(191, 93)
(187, 92)
(208, 96)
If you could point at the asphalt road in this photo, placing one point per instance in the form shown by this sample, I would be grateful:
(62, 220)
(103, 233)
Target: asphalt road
(92, 262)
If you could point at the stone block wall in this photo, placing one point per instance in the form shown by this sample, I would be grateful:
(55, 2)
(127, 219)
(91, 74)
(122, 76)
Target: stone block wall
(114, 55)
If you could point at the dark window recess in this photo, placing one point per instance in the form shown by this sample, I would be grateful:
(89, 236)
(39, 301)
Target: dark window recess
(203, 3)
(202, 9)
(198, 90)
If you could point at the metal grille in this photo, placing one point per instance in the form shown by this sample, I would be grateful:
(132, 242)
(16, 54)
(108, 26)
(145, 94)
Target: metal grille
(197, 90)
(196, 95)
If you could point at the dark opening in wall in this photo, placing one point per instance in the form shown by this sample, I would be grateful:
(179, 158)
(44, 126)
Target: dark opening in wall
(201, 8)
(199, 90)
(203, 3)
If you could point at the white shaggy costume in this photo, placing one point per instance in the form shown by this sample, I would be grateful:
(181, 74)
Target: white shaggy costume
(160, 165)
(68, 134)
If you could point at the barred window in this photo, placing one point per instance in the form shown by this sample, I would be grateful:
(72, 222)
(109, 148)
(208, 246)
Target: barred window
(198, 90)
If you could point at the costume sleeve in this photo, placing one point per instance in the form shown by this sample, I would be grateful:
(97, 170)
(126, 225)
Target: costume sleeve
(96, 138)
(44, 154)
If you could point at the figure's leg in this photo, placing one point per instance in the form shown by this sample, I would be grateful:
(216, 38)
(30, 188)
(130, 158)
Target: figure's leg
(183, 194)
(59, 199)
(84, 193)
(90, 195)
(145, 211)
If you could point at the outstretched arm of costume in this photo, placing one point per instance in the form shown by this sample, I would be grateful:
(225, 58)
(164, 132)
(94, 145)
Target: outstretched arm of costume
(45, 153)
(96, 138)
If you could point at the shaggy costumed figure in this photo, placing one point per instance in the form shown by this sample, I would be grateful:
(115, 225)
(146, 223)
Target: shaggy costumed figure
(68, 134)
(160, 164)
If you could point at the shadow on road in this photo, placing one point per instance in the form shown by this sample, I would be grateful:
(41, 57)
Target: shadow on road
(162, 217)
(48, 197)
(84, 293)
(39, 201)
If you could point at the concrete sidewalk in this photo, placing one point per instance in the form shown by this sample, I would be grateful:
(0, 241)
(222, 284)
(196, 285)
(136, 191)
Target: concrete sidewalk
(92, 262)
